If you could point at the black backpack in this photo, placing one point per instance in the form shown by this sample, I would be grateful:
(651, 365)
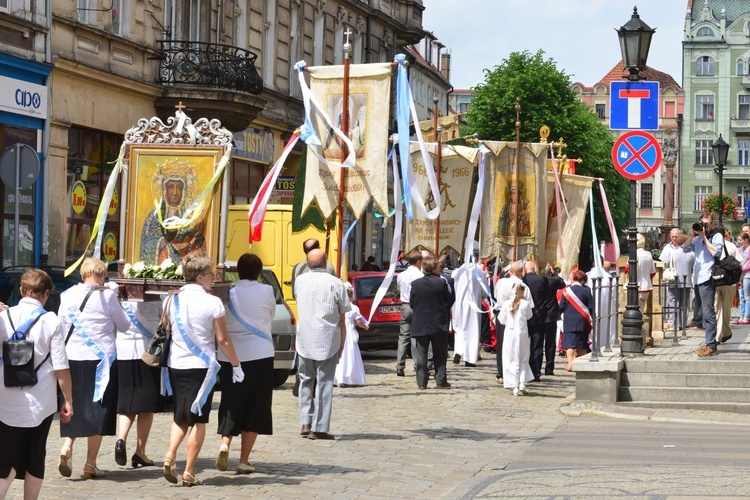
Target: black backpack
(18, 358)
(726, 271)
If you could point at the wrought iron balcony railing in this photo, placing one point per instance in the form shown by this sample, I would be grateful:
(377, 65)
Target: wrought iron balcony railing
(209, 64)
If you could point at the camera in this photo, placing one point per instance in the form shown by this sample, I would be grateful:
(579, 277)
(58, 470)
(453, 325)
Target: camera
(699, 226)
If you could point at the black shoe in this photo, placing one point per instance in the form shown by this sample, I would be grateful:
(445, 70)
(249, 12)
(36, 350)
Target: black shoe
(549, 373)
(137, 461)
(470, 364)
(456, 359)
(121, 457)
(444, 385)
(400, 373)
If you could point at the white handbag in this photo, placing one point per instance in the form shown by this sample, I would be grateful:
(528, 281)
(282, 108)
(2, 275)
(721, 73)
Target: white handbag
(670, 273)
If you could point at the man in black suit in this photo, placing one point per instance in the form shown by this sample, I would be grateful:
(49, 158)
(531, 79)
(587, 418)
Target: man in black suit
(542, 323)
(430, 299)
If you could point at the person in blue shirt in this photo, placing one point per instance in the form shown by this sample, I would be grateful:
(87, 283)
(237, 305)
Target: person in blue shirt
(706, 244)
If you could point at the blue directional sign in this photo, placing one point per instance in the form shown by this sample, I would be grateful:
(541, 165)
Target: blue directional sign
(636, 155)
(634, 106)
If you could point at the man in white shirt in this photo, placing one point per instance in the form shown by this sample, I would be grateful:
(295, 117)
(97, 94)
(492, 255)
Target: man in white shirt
(503, 292)
(646, 271)
(678, 292)
(404, 279)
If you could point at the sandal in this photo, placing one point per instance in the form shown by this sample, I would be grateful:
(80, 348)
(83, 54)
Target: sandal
(63, 465)
(193, 481)
(92, 472)
(222, 461)
(169, 471)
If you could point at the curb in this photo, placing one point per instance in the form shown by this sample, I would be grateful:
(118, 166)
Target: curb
(601, 410)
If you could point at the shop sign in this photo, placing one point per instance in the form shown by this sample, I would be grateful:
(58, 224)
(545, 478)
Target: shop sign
(285, 186)
(114, 203)
(78, 197)
(109, 247)
(254, 144)
(23, 98)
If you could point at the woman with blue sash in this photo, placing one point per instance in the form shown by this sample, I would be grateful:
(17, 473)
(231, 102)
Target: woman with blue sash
(198, 325)
(245, 408)
(91, 316)
(26, 412)
(139, 393)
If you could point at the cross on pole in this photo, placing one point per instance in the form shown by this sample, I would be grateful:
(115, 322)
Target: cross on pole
(347, 33)
(180, 106)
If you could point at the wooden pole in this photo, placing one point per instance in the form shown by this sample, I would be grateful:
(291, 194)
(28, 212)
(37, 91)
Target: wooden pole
(439, 158)
(342, 177)
(516, 178)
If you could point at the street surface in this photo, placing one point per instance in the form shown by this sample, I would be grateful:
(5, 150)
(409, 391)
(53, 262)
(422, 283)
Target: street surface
(474, 440)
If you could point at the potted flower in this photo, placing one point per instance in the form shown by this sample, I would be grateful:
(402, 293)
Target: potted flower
(710, 205)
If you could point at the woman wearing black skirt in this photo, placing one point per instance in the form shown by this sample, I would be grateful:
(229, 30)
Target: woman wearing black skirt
(245, 408)
(140, 385)
(91, 328)
(198, 325)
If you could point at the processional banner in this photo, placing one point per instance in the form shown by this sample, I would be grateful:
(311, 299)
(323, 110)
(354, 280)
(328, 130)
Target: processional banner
(369, 93)
(574, 202)
(513, 209)
(456, 188)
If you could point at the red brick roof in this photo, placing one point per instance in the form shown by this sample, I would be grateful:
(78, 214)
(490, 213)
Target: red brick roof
(650, 74)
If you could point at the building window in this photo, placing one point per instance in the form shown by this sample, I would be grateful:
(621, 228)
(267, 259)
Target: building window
(463, 107)
(743, 152)
(84, 11)
(601, 110)
(740, 67)
(705, 32)
(743, 108)
(3, 5)
(703, 153)
(647, 195)
(701, 193)
(91, 158)
(704, 107)
(705, 66)
(669, 109)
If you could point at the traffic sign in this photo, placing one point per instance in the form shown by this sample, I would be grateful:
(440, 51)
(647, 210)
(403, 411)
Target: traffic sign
(636, 155)
(634, 106)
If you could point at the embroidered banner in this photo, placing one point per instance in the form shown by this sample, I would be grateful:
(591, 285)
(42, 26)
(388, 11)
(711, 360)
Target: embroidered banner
(575, 193)
(369, 89)
(514, 209)
(456, 188)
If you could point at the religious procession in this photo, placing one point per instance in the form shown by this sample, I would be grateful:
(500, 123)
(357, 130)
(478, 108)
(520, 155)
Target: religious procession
(171, 325)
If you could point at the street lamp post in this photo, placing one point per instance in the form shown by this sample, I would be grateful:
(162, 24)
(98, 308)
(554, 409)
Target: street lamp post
(721, 151)
(635, 41)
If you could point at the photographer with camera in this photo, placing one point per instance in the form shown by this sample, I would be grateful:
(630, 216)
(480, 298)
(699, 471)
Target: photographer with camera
(706, 244)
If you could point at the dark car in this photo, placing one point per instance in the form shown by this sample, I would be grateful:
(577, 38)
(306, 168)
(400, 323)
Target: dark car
(384, 326)
(10, 284)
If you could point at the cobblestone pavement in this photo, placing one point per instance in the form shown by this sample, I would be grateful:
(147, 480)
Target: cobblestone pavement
(392, 441)
(473, 440)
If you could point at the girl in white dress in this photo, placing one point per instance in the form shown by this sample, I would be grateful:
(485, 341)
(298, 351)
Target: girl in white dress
(516, 344)
(350, 370)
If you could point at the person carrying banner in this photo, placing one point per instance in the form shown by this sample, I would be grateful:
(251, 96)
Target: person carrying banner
(576, 305)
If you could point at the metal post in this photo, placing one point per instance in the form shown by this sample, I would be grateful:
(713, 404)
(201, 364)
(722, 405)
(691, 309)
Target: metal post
(632, 319)
(720, 171)
(597, 289)
(17, 205)
(614, 290)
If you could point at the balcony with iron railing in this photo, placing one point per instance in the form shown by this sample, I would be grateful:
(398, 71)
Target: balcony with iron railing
(212, 80)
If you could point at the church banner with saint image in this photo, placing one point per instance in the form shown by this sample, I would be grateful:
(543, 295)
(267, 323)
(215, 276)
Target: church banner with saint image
(513, 208)
(369, 98)
(458, 164)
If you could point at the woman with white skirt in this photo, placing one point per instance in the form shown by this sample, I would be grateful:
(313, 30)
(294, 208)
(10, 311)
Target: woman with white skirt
(514, 314)
(350, 370)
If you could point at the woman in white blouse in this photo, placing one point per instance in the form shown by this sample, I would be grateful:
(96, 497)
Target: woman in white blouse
(91, 316)
(197, 320)
(26, 412)
(139, 384)
(245, 408)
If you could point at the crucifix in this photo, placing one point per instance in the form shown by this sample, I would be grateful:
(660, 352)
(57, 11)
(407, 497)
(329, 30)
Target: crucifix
(180, 106)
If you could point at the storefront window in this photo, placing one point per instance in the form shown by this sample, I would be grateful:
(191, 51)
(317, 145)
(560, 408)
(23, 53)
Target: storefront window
(91, 157)
(14, 135)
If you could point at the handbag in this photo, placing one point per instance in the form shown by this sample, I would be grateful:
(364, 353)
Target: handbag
(726, 271)
(18, 358)
(670, 273)
(157, 351)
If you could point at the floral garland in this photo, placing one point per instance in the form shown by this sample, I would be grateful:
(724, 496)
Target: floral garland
(710, 205)
(167, 270)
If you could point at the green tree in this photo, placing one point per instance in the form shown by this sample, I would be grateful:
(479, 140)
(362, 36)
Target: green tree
(546, 98)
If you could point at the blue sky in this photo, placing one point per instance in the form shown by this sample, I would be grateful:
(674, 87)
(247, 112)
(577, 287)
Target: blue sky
(578, 34)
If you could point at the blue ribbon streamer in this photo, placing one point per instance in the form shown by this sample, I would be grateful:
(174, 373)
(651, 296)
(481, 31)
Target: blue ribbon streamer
(131, 314)
(402, 122)
(213, 366)
(247, 326)
(102, 369)
(21, 331)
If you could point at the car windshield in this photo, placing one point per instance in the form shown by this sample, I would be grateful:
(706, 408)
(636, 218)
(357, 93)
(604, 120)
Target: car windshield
(366, 288)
